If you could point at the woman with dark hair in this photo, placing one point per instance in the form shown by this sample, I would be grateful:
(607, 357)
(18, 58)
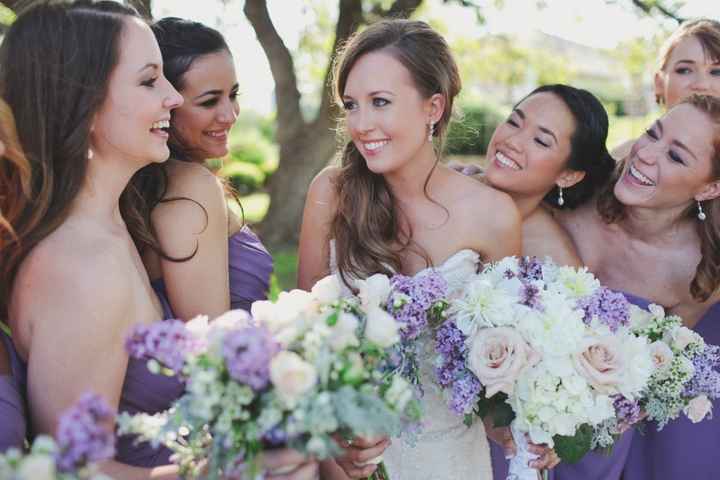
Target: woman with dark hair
(199, 255)
(391, 207)
(654, 233)
(85, 83)
(12, 405)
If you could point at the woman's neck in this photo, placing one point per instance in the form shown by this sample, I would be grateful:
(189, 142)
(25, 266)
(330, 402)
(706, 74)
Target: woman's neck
(655, 226)
(527, 205)
(411, 182)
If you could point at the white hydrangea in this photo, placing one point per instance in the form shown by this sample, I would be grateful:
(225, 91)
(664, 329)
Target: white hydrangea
(485, 304)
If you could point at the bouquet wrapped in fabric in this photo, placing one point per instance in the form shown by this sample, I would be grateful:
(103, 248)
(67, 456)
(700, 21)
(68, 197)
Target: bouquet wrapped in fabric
(546, 350)
(84, 437)
(298, 372)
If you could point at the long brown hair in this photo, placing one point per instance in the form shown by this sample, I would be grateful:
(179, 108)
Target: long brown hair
(14, 176)
(55, 64)
(366, 226)
(707, 274)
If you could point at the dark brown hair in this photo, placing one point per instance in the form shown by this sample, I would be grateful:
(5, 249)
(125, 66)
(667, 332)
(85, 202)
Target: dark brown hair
(707, 274)
(55, 64)
(14, 176)
(366, 226)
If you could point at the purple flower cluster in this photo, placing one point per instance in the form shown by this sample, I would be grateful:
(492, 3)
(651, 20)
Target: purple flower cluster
(531, 296)
(247, 353)
(611, 308)
(706, 379)
(81, 436)
(452, 372)
(530, 268)
(418, 295)
(627, 411)
(168, 342)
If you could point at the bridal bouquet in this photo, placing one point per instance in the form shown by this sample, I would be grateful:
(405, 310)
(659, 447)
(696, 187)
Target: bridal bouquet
(84, 437)
(300, 370)
(547, 350)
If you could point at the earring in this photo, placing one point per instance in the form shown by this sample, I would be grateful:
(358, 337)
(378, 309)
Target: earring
(431, 132)
(560, 200)
(90, 154)
(701, 215)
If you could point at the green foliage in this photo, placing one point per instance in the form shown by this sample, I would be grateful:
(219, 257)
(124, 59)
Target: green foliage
(245, 177)
(251, 160)
(572, 449)
(470, 134)
(497, 407)
(7, 16)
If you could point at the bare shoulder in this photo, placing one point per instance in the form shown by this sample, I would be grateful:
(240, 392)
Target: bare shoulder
(191, 179)
(484, 204)
(322, 188)
(544, 237)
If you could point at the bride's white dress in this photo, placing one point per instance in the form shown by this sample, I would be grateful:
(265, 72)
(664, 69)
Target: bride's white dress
(446, 449)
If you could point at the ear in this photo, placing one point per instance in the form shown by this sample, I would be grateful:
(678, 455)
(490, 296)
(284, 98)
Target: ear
(568, 178)
(660, 87)
(435, 108)
(709, 192)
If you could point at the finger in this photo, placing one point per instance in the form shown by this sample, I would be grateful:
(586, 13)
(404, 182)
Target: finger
(367, 442)
(274, 459)
(509, 449)
(354, 471)
(363, 455)
(306, 471)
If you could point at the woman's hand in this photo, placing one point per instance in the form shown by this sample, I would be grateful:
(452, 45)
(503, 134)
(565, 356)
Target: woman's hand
(547, 458)
(358, 453)
(288, 464)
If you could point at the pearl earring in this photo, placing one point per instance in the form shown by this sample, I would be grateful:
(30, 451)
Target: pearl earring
(90, 154)
(431, 132)
(560, 200)
(701, 215)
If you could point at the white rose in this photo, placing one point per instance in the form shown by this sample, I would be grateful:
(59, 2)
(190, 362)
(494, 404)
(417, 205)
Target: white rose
(344, 333)
(328, 289)
(399, 393)
(682, 337)
(381, 328)
(698, 408)
(661, 354)
(37, 467)
(374, 290)
(639, 318)
(292, 376)
(199, 326)
(230, 320)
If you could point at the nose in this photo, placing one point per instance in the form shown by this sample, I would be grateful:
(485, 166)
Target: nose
(228, 112)
(361, 120)
(648, 153)
(701, 83)
(515, 142)
(173, 99)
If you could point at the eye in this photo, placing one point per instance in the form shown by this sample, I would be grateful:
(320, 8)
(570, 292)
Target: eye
(512, 122)
(349, 105)
(715, 72)
(380, 102)
(682, 70)
(234, 95)
(651, 133)
(150, 83)
(675, 157)
(542, 143)
(209, 103)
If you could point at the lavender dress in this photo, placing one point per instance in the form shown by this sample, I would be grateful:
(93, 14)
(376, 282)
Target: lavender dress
(12, 405)
(682, 449)
(594, 465)
(250, 267)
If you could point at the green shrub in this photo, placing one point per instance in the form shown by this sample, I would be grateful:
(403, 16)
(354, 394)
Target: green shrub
(245, 177)
(470, 134)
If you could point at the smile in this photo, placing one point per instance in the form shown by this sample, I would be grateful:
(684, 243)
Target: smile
(506, 161)
(637, 175)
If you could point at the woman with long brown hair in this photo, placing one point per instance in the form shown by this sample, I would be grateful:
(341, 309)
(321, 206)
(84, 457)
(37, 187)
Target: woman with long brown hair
(392, 207)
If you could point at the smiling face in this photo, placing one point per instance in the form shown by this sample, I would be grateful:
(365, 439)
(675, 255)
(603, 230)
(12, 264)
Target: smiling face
(387, 117)
(210, 90)
(689, 69)
(529, 152)
(671, 164)
(134, 116)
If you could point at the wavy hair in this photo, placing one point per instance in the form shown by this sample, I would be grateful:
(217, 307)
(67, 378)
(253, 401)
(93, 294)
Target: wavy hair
(14, 175)
(55, 64)
(707, 274)
(366, 223)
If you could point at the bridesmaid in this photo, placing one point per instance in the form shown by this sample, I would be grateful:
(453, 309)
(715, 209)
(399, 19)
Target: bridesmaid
(654, 233)
(12, 404)
(689, 62)
(85, 83)
(204, 260)
(391, 207)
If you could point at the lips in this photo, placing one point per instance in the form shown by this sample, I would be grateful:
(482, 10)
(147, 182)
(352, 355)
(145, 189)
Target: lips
(161, 128)
(504, 161)
(373, 147)
(640, 177)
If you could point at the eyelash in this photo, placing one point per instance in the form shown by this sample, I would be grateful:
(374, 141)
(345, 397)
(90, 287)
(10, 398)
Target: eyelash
(537, 140)
(212, 102)
(149, 83)
(671, 153)
(378, 102)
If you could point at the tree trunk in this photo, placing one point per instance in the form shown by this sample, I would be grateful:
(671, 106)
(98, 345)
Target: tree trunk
(144, 7)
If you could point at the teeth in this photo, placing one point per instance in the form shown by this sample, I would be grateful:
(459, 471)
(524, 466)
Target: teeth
(506, 162)
(639, 176)
(375, 145)
(161, 124)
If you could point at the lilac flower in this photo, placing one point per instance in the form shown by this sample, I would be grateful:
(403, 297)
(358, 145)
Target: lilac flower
(450, 345)
(530, 268)
(247, 353)
(627, 411)
(611, 308)
(531, 296)
(706, 379)
(275, 437)
(465, 394)
(81, 437)
(168, 342)
(412, 298)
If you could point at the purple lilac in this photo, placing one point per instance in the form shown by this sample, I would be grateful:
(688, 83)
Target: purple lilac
(531, 296)
(82, 438)
(627, 411)
(450, 345)
(422, 292)
(706, 380)
(611, 308)
(168, 342)
(275, 437)
(247, 353)
(465, 394)
(530, 268)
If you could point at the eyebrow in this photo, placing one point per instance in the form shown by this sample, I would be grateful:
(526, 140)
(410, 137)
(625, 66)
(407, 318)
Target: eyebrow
(676, 142)
(216, 91)
(154, 66)
(373, 93)
(545, 130)
(693, 62)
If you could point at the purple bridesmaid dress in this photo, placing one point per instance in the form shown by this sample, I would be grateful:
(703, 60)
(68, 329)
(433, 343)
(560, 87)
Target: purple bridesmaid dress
(682, 449)
(12, 404)
(594, 465)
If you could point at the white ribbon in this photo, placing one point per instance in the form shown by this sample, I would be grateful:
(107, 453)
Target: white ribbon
(519, 469)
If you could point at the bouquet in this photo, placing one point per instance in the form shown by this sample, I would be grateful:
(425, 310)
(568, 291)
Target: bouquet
(547, 350)
(84, 437)
(299, 371)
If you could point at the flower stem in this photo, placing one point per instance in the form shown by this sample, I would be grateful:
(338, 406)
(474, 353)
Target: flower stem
(380, 473)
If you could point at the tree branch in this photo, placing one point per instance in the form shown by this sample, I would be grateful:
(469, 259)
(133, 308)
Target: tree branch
(17, 5)
(289, 119)
(649, 6)
(144, 7)
(398, 9)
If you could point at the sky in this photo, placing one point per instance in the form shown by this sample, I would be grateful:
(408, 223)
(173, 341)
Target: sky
(596, 23)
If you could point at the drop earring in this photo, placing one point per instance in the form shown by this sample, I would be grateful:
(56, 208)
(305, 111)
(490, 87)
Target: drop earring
(560, 200)
(90, 154)
(431, 132)
(701, 215)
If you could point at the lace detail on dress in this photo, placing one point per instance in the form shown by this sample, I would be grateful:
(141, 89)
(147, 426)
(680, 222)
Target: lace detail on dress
(446, 449)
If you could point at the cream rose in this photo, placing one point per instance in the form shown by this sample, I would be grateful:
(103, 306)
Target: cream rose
(498, 356)
(37, 467)
(698, 408)
(327, 290)
(291, 375)
(374, 290)
(682, 337)
(661, 354)
(343, 333)
(601, 364)
(381, 328)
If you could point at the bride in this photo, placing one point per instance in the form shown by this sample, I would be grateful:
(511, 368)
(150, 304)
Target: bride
(391, 207)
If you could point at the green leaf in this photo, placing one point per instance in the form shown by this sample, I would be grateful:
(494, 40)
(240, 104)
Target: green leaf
(572, 449)
(502, 415)
(332, 319)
